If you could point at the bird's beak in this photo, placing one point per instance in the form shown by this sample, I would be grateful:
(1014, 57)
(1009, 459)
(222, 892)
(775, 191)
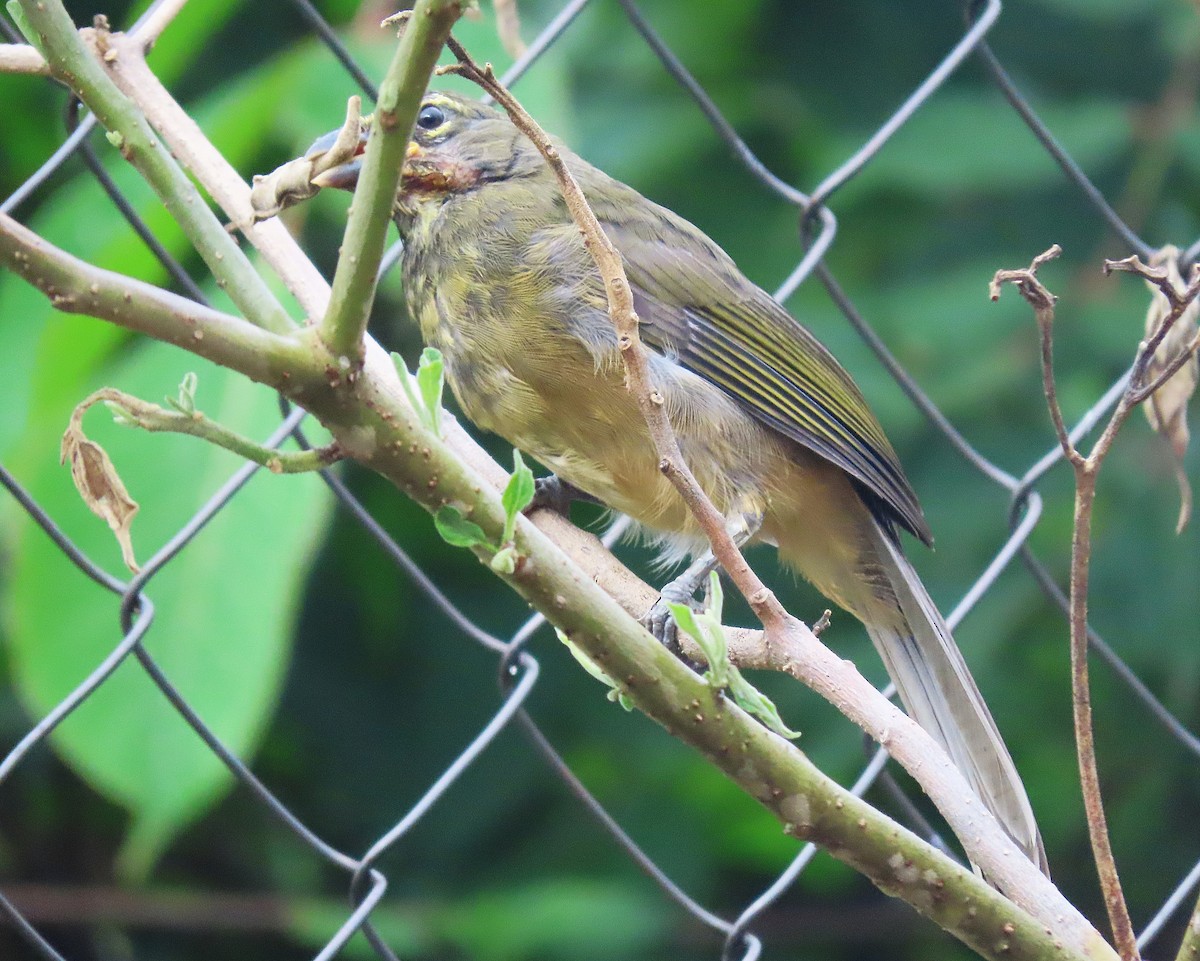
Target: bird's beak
(345, 176)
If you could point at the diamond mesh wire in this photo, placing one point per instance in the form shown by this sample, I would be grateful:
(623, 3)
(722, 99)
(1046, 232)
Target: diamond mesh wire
(518, 669)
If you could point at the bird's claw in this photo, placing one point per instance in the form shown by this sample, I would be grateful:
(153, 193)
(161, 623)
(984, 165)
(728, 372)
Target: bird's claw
(553, 493)
(660, 622)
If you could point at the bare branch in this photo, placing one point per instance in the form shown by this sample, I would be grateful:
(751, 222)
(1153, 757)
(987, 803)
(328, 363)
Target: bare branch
(1042, 302)
(24, 58)
(1085, 469)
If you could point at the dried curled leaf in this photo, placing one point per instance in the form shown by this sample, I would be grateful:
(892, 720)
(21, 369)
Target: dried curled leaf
(99, 484)
(1166, 408)
(293, 183)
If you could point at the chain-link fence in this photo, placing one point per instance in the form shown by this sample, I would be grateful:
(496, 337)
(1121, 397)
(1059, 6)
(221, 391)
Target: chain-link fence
(519, 670)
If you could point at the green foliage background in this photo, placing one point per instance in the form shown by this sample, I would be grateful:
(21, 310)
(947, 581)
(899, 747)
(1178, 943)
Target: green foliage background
(313, 656)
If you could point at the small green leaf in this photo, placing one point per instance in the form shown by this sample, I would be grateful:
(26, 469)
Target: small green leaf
(430, 381)
(708, 633)
(457, 531)
(518, 494)
(753, 701)
(721, 674)
(121, 415)
(185, 403)
(716, 596)
(26, 28)
(504, 561)
(615, 693)
(406, 381)
(426, 396)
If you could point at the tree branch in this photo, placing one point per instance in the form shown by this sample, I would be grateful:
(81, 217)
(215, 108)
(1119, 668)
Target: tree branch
(135, 412)
(77, 287)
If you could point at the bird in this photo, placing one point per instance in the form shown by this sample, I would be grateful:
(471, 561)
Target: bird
(778, 435)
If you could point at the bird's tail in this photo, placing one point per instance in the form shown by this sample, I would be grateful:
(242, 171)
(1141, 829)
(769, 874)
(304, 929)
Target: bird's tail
(939, 693)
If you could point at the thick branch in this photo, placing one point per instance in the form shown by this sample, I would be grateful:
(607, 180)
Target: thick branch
(400, 95)
(77, 287)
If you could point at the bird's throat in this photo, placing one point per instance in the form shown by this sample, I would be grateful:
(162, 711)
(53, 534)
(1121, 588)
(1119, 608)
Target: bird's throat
(424, 180)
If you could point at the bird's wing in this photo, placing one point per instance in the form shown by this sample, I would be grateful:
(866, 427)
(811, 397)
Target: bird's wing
(696, 307)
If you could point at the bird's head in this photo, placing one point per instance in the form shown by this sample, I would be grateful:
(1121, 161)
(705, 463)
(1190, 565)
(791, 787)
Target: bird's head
(457, 144)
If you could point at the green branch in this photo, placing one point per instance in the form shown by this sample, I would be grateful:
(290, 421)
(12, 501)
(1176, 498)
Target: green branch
(72, 62)
(400, 95)
(75, 286)
(131, 411)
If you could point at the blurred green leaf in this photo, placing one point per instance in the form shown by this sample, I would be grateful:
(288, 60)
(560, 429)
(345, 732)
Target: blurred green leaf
(564, 917)
(971, 140)
(223, 645)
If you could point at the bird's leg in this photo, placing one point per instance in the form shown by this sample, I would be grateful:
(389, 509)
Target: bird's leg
(681, 590)
(556, 494)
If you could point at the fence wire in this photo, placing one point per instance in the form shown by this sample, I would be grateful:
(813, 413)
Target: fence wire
(518, 669)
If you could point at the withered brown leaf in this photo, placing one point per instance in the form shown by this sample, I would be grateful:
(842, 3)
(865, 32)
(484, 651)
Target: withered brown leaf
(99, 484)
(1166, 408)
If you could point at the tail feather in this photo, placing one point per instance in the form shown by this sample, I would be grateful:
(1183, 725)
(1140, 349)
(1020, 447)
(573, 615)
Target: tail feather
(939, 693)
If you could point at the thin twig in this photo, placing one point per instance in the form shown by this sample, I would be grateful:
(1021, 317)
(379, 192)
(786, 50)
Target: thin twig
(133, 411)
(1179, 302)
(1086, 469)
(1042, 302)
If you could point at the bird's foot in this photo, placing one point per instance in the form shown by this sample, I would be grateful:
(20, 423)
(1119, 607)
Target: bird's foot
(660, 622)
(553, 493)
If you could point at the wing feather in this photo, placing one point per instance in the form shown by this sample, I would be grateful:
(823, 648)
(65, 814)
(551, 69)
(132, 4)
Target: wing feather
(699, 309)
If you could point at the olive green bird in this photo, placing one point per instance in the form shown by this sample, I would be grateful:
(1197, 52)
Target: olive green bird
(776, 432)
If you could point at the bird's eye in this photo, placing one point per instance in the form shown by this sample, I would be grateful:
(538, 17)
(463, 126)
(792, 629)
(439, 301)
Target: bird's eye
(430, 118)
